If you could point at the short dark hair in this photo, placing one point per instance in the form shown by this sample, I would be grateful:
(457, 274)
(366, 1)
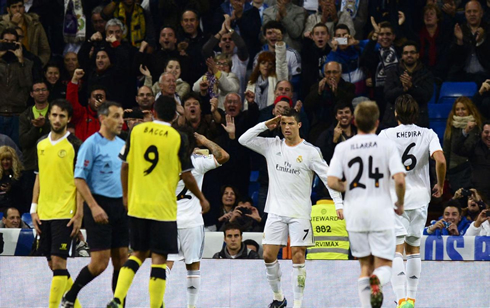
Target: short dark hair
(342, 104)
(293, 113)
(232, 226)
(167, 26)
(171, 59)
(10, 31)
(165, 108)
(63, 104)
(341, 26)
(278, 82)
(411, 43)
(407, 109)
(322, 25)
(272, 24)
(189, 10)
(12, 2)
(253, 243)
(104, 107)
(190, 95)
(453, 203)
(6, 210)
(386, 24)
(96, 87)
(38, 81)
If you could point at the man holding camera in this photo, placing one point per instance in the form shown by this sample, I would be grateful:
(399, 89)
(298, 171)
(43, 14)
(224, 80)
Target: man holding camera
(15, 80)
(450, 223)
(84, 117)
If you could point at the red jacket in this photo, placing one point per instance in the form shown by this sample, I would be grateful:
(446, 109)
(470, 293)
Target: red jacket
(84, 118)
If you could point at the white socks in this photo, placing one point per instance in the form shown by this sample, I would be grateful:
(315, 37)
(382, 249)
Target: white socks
(414, 264)
(193, 285)
(364, 290)
(384, 274)
(399, 277)
(274, 278)
(299, 278)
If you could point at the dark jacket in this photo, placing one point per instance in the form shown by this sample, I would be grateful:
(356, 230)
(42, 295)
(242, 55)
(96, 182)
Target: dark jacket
(194, 52)
(156, 62)
(28, 137)
(312, 62)
(458, 54)
(319, 107)
(421, 91)
(15, 83)
(479, 157)
(327, 145)
(244, 253)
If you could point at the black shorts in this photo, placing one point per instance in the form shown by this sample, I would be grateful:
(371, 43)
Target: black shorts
(157, 236)
(115, 234)
(55, 239)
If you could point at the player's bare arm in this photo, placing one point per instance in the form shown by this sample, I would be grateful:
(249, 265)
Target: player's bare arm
(124, 183)
(221, 155)
(400, 192)
(35, 197)
(76, 220)
(438, 189)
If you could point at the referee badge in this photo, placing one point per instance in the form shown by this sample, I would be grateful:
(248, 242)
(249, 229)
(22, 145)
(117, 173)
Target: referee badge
(299, 159)
(62, 153)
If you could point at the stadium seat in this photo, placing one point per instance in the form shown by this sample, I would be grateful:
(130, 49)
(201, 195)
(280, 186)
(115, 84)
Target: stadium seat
(1, 215)
(254, 176)
(26, 217)
(24, 244)
(438, 114)
(433, 99)
(450, 91)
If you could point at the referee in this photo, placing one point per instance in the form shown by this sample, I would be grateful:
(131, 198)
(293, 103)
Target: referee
(97, 177)
(56, 212)
(154, 156)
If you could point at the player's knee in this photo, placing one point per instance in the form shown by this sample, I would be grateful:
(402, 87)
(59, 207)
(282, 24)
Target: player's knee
(96, 268)
(57, 263)
(269, 257)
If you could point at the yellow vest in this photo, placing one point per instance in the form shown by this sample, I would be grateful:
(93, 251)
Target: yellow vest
(331, 237)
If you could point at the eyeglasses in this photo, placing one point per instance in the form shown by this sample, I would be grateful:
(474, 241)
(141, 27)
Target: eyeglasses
(412, 52)
(40, 90)
(331, 72)
(145, 94)
(226, 39)
(222, 64)
(230, 102)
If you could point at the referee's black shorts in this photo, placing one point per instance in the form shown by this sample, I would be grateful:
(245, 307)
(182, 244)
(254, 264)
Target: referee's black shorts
(55, 239)
(157, 236)
(115, 234)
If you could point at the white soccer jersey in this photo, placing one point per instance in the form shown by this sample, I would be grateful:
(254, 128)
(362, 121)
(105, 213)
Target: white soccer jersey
(188, 206)
(414, 144)
(291, 171)
(368, 163)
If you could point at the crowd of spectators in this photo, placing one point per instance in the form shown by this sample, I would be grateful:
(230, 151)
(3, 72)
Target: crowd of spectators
(232, 63)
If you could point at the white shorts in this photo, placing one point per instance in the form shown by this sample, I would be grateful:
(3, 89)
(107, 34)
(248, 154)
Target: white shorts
(278, 228)
(191, 245)
(380, 244)
(410, 226)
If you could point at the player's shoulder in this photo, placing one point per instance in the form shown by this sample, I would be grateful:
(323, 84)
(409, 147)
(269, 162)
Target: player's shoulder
(311, 147)
(43, 139)
(74, 140)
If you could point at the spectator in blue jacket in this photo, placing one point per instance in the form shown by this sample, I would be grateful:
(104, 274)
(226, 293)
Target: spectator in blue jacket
(450, 223)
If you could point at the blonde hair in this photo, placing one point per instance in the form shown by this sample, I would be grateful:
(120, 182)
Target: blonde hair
(472, 110)
(17, 167)
(366, 114)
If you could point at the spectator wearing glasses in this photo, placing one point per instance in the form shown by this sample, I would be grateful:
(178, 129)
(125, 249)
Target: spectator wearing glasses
(410, 76)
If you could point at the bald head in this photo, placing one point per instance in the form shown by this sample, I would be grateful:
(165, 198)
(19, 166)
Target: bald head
(473, 13)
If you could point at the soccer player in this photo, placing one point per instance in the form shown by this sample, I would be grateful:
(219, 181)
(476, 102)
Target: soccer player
(415, 145)
(369, 163)
(56, 212)
(154, 156)
(97, 177)
(292, 163)
(190, 224)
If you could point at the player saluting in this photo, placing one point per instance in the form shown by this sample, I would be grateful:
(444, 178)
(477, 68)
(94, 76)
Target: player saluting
(415, 145)
(291, 163)
(369, 163)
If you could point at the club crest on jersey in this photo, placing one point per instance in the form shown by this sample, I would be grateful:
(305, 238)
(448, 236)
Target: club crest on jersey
(299, 159)
(62, 153)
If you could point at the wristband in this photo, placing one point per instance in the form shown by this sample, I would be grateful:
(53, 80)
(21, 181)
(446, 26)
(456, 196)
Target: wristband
(33, 208)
